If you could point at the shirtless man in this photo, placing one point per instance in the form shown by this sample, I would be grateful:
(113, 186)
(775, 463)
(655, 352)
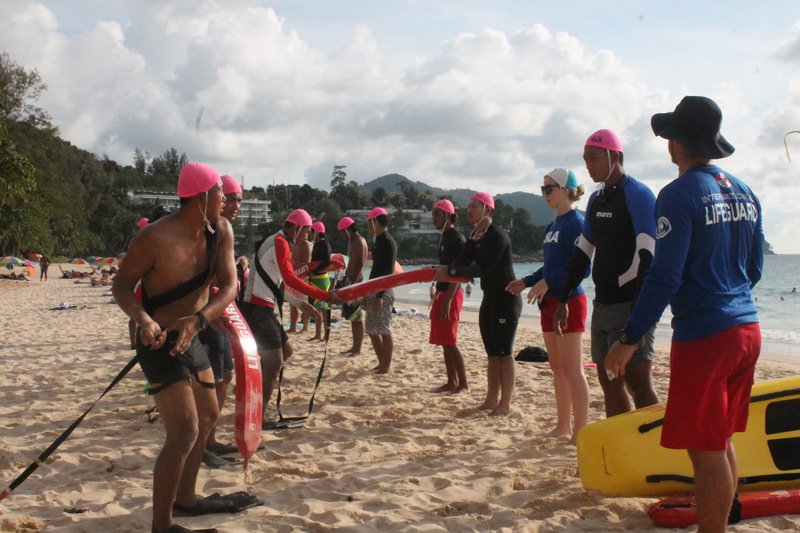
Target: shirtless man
(176, 260)
(357, 253)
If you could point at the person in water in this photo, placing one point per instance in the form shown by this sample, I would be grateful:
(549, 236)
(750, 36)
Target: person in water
(704, 266)
(447, 299)
(487, 255)
(561, 190)
(176, 260)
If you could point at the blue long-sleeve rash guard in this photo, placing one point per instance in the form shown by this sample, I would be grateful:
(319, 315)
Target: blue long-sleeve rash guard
(559, 243)
(709, 254)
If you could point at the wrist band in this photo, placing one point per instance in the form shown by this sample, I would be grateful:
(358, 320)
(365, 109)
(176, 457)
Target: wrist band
(203, 320)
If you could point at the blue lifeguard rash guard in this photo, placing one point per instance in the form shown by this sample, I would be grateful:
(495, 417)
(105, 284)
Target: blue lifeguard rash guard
(560, 238)
(709, 254)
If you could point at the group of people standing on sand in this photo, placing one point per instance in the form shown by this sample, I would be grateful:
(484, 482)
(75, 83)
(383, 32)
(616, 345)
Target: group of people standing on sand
(698, 247)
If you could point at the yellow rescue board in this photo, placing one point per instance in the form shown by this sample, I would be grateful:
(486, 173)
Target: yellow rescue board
(622, 455)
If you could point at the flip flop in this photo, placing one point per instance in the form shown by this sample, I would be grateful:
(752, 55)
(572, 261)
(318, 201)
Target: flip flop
(212, 460)
(221, 448)
(284, 423)
(175, 528)
(217, 504)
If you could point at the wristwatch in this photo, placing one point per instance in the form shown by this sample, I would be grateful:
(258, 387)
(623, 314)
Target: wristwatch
(452, 271)
(203, 320)
(625, 339)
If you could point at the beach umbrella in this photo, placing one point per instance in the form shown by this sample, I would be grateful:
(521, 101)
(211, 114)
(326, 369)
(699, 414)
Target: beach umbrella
(35, 256)
(12, 261)
(78, 261)
(29, 263)
(107, 260)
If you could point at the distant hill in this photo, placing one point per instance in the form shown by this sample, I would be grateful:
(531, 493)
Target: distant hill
(536, 206)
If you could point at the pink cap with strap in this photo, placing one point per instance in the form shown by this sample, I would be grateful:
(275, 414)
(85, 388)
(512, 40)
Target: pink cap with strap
(196, 178)
(299, 217)
(445, 205)
(484, 197)
(605, 139)
(142, 222)
(376, 212)
(345, 222)
(230, 185)
(318, 226)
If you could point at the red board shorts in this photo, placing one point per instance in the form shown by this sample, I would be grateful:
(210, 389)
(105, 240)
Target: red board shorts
(445, 333)
(709, 388)
(576, 321)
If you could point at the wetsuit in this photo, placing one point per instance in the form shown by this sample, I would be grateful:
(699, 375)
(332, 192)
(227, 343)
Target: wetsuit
(619, 230)
(489, 257)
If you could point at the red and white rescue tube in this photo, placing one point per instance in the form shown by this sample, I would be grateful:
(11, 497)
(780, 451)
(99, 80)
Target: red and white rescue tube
(682, 512)
(247, 364)
(365, 288)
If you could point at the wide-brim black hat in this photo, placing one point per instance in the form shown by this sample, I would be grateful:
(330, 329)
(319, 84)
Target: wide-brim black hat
(695, 123)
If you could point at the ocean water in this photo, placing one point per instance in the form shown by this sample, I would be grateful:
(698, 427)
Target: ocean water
(778, 306)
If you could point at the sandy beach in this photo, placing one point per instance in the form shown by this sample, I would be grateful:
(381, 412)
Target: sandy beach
(380, 453)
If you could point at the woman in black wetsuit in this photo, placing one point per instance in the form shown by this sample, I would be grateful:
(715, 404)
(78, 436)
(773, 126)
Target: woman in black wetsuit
(487, 255)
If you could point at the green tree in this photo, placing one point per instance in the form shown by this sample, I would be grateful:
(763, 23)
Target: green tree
(19, 89)
(17, 184)
(338, 176)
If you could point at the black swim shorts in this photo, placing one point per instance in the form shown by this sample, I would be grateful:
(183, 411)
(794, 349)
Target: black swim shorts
(162, 369)
(220, 354)
(498, 327)
(267, 329)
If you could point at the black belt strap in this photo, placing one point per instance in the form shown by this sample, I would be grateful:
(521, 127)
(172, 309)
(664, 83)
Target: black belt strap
(61, 438)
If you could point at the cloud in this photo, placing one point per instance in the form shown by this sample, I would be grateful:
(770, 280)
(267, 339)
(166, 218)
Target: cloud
(230, 84)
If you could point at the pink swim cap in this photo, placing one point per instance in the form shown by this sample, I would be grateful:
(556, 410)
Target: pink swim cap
(605, 139)
(376, 212)
(196, 178)
(142, 222)
(445, 205)
(230, 185)
(318, 226)
(299, 217)
(345, 222)
(484, 197)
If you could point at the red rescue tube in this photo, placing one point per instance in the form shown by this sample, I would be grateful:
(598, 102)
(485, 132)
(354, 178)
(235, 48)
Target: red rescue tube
(247, 363)
(682, 512)
(365, 288)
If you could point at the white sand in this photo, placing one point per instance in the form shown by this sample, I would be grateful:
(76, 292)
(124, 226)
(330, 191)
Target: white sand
(379, 453)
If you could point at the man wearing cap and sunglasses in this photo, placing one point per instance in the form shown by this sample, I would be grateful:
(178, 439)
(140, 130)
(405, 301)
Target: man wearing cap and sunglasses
(617, 239)
(708, 256)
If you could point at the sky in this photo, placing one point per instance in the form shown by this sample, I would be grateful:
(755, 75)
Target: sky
(487, 95)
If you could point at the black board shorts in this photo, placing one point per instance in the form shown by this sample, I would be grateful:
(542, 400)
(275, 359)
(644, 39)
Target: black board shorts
(162, 369)
(267, 329)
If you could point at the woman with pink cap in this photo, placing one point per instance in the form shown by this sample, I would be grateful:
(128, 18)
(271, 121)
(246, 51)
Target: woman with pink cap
(561, 190)
(487, 255)
(447, 299)
(357, 255)
(379, 305)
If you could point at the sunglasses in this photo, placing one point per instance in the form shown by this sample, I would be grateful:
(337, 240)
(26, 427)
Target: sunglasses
(547, 189)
